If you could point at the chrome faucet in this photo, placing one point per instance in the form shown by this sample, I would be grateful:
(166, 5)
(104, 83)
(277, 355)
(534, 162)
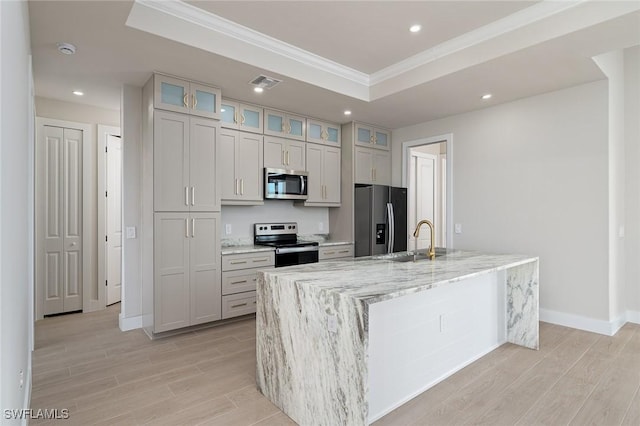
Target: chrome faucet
(432, 250)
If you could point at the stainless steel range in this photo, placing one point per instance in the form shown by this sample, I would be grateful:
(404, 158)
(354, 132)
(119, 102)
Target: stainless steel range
(284, 237)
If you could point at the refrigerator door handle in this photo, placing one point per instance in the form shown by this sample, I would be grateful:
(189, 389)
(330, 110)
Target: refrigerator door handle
(393, 228)
(390, 230)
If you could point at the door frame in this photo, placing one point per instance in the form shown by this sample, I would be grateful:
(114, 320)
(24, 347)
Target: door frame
(103, 133)
(89, 303)
(406, 147)
(436, 187)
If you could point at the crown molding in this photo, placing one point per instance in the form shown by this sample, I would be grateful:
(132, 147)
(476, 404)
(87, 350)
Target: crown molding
(210, 21)
(502, 26)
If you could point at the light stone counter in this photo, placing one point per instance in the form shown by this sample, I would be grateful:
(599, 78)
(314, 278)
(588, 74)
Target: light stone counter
(244, 249)
(329, 334)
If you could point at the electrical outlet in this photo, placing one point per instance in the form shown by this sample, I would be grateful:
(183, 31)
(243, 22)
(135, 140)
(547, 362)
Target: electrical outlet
(227, 229)
(20, 379)
(332, 323)
(458, 228)
(320, 226)
(131, 232)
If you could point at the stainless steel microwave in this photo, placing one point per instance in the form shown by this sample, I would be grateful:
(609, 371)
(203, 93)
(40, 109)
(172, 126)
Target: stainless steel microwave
(283, 184)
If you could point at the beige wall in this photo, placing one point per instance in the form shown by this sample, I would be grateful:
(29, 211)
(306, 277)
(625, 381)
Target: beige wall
(531, 177)
(67, 111)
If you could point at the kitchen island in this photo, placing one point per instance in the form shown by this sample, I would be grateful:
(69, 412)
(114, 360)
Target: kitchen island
(346, 342)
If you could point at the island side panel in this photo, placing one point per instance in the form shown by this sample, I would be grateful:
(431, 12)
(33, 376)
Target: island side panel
(523, 305)
(314, 372)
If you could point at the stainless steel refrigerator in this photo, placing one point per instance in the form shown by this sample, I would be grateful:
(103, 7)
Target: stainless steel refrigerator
(380, 219)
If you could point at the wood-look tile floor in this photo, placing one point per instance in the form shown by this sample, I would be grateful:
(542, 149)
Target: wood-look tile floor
(103, 376)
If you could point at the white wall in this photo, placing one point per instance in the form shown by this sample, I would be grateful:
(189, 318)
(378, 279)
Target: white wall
(68, 111)
(531, 177)
(131, 308)
(311, 220)
(632, 169)
(15, 223)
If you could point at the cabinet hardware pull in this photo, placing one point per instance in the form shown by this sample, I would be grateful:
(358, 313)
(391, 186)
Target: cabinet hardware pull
(195, 101)
(288, 158)
(260, 260)
(238, 282)
(193, 195)
(186, 228)
(343, 251)
(235, 187)
(241, 186)
(237, 262)
(330, 252)
(371, 138)
(254, 302)
(235, 117)
(237, 306)
(242, 119)
(283, 157)
(186, 195)
(184, 100)
(193, 228)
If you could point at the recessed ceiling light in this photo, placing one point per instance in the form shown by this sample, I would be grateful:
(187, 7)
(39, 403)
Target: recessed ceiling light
(347, 112)
(415, 28)
(487, 96)
(66, 48)
(222, 110)
(78, 93)
(258, 89)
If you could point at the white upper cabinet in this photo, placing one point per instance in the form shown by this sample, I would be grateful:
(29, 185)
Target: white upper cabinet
(324, 133)
(178, 95)
(241, 171)
(236, 115)
(279, 123)
(185, 163)
(285, 154)
(372, 166)
(372, 137)
(323, 166)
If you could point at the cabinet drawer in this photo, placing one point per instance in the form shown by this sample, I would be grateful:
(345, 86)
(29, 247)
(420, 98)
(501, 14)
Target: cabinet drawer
(335, 252)
(233, 262)
(235, 305)
(240, 281)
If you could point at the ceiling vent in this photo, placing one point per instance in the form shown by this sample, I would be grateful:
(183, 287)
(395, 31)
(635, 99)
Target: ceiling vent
(265, 82)
(66, 48)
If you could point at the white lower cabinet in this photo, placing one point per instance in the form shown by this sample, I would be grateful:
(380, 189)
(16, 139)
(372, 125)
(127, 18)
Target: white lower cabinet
(239, 278)
(335, 252)
(187, 287)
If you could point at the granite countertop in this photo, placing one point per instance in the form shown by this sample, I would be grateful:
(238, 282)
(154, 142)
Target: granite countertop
(375, 279)
(330, 243)
(243, 249)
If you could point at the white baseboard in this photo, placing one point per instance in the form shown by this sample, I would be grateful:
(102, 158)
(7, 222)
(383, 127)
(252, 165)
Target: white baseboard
(608, 328)
(130, 323)
(27, 392)
(633, 316)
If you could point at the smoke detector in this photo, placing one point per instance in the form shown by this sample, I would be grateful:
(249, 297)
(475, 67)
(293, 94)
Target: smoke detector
(66, 48)
(265, 82)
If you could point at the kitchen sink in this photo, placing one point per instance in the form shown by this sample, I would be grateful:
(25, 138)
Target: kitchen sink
(413, 256)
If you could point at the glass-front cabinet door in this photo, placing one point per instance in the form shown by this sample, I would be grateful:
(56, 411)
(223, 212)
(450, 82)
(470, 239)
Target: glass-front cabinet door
(364, 135)
(381, 138)
(250, 118)
(229, 114)
(175, 94)
(171, 94)
(205, 101)
(285, 125)
(324, 133)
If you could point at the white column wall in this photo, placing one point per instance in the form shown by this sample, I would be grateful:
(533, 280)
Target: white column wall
(131, 311)
(632, 171)
(531, 176)
(16, 282)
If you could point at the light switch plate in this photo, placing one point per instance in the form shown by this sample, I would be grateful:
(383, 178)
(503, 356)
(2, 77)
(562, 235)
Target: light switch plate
(458, 228)
(131, 232)
(227, 229)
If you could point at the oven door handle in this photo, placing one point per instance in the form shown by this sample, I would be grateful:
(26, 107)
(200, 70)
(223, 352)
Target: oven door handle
(285, 250)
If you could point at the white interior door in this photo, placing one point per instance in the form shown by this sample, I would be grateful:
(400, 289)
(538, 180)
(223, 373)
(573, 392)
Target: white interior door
(113, 218)
(59, 251)
(425, 194)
